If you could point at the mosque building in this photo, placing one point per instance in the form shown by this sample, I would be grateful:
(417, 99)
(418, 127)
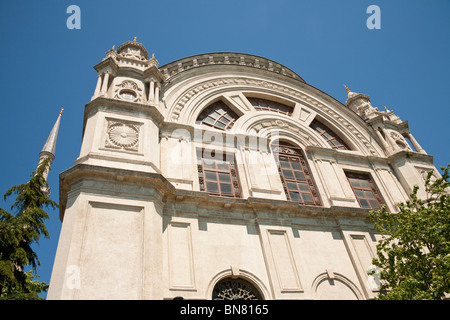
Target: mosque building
(226, 176)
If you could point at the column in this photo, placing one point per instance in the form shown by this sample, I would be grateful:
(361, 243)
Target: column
(157, 94)
(393, 144)
(97, 87)
(415, 144)
(380, 137)
(105, 83)
(151, 92)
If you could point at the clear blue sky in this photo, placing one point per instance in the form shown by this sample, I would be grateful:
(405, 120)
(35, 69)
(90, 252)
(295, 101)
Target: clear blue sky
(405, 65)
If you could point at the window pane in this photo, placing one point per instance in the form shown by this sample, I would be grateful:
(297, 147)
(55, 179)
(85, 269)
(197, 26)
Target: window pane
(226, 188)
(212, 187)
(220, 125)
(369, 195)
(307, 197)
(354, 182)
(210, 176)
(365, 184)
(296, 164)
(222, 166)
(364, 203)
(224, 177)
(374, 204)
(294, 196)
(209, 164)
(291, 185)
(299, 175)
(285, 164)
(288, 174)
(359, 193)
(303, 186)
(209, 120)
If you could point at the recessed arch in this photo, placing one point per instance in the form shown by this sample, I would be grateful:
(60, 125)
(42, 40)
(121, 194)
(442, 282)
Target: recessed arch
(334, 286)
(272, 126)
(186, 105)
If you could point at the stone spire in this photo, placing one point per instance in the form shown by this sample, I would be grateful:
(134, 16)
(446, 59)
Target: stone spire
(50, 144)
(48, 151)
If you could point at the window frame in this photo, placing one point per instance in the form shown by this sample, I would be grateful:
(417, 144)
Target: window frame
(212, 109)
(291, 152)
(230, 170)
(329, 136)
(370, 186)
(272, 106)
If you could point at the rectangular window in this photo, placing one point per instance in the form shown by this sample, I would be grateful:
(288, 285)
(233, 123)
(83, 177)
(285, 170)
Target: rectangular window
(365, 190)
(217, 175)
(297, 181)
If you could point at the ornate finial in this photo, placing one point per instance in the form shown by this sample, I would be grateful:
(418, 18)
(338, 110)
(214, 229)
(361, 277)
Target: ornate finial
(134, 40)
(348, 90)
(153, 55)
(113, 47)
(62, 109)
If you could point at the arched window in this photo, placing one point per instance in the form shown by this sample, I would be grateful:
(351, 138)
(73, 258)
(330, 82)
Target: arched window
(267, 105)
(295, 174)
(218, 115)
(235, 289)
(330, 137)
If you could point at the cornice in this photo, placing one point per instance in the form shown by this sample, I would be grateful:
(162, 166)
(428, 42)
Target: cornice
(174, 68)
(135, 107)
(165, 191)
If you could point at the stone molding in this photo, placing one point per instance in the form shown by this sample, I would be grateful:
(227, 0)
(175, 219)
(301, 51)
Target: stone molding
(226, 58)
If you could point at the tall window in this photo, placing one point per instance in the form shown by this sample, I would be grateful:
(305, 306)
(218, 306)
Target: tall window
(267, 105)
(330, 137)
(295, 175)
(218, 176)
(365, 190)
(218, 115)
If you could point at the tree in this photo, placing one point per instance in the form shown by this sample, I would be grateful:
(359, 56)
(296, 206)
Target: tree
(19, 231)
(414, 250)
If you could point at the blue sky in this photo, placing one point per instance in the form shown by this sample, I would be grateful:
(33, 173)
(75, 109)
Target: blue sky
(404, 65)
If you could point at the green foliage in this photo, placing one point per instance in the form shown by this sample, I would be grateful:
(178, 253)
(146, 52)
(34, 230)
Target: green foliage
(19, 231)
(414, 250)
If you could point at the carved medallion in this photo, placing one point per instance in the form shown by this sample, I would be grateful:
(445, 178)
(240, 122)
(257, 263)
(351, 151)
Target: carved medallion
(122, 136)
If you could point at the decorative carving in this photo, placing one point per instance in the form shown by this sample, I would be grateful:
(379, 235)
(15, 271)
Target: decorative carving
(130, 87)
(235, 289)
(124, 136)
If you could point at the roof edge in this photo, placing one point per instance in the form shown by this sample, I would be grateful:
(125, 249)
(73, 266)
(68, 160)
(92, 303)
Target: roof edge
(176, 67)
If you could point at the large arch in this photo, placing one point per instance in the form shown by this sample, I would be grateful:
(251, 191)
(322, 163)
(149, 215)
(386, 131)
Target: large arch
(185, 106)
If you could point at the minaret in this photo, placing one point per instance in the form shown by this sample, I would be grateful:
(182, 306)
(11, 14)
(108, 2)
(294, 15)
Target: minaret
(48, 151)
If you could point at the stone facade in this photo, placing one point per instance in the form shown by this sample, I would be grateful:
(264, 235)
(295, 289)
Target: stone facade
(141, 220)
